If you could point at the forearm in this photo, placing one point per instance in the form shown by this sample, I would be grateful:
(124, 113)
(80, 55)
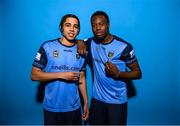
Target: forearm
(38, 75)
(82, 87)
(83, 91)
(129, 75)
(134, 73)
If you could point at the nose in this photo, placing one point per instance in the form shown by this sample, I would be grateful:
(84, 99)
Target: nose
(72, 28)
(97, 27)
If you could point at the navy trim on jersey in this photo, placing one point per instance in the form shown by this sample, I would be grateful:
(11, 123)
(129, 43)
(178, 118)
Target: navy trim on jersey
(42, 60)
(126, 57)
(120, 53)
(66, 45)
(56, 57)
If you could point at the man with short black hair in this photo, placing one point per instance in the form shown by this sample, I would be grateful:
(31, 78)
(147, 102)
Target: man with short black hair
(109, 56)
(59, 65)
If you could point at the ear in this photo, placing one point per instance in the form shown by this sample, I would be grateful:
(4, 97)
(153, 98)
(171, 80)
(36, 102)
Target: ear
(78, 32)
(61, 30)
(108, 25)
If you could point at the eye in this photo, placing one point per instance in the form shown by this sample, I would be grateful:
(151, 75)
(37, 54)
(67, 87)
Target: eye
(67, 24)
(102, 23)
(76, 26)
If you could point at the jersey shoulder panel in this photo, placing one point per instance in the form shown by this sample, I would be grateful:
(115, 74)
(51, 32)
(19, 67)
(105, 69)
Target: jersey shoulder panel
(46, 43)
(128, 53)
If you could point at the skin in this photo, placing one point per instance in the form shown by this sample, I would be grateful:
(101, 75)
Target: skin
(100, 28)
(70, 30)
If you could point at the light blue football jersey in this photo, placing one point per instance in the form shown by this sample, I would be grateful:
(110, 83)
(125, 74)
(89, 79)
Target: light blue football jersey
(120, 53)
(60, 95)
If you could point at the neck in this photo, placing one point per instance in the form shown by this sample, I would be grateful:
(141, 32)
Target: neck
(65, 42)
(107, 39)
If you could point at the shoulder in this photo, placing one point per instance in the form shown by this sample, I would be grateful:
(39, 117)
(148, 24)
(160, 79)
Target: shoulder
(87, 41)
(122, 41)
(50, 42)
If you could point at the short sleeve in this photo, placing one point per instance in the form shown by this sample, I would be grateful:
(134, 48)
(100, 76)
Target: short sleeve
(84, 66)
(128, 55)
(40, 60)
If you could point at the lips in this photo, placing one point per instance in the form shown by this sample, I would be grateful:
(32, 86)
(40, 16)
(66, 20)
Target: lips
(71, 34)
(99, 33)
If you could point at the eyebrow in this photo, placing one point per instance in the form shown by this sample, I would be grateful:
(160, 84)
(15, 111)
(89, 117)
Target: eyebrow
(70, 23)
(67, 23)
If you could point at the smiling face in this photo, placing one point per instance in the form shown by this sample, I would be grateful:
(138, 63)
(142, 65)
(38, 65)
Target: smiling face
(70, 28)
(100, 27)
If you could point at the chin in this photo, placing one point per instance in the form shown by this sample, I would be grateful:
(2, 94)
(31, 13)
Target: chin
(99, 38)
(70, 38)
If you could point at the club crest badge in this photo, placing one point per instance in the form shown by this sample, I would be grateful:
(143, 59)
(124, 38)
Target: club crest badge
(55, 53)
(110, 54)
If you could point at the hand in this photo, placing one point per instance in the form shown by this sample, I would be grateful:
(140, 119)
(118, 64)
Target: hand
(81, 47)
(85, 112)
(70, 76)
(111, 70)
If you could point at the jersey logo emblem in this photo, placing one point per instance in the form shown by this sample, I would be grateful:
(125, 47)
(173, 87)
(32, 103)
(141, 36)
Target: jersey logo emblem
(110, 54)
(38, 56)
(132, 53)
(77, 56)
(55, 53)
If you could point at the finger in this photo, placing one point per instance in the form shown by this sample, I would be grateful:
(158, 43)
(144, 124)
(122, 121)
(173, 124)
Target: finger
(84, 51)
(111, 65)
(106, 70)
(75, 78)
(84, 117)
(76, 74)
(107, 66)
(81, 51)
(108, 63)
(85, 111)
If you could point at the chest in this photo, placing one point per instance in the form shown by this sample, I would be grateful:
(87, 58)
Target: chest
(107, 52)
(63, 56)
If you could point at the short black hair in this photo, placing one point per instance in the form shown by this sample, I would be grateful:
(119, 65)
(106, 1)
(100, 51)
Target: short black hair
(100, 13)
(63, 19)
